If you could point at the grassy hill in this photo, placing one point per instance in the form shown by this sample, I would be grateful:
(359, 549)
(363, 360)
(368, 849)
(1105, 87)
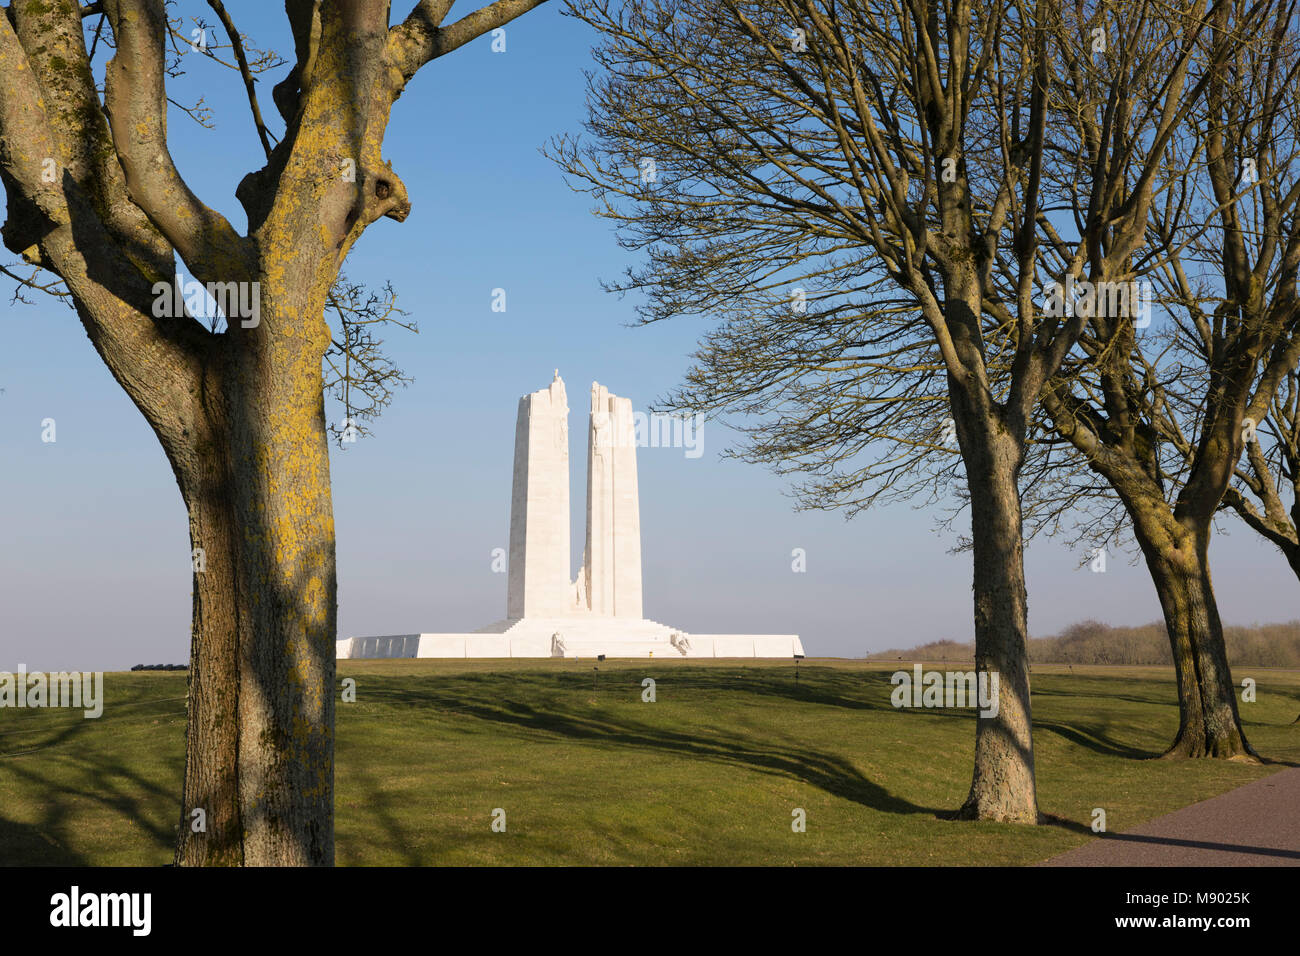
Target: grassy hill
(587, 773)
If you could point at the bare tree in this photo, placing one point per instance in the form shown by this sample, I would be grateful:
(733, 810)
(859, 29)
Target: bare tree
(869, 161)
(95, 198)
(1164, 427)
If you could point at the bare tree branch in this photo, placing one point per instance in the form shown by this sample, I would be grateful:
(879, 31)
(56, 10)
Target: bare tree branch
(237, 43)
(135, 101)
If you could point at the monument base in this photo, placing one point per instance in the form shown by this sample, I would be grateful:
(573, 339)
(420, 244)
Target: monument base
(579, 637)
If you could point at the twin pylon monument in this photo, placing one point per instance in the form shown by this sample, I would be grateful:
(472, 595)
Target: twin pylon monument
(548, 614)
(609, 581)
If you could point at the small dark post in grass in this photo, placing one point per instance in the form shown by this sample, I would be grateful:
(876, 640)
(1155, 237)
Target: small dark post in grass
(797, 659)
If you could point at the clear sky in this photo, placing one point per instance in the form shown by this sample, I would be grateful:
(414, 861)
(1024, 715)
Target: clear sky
(95, 564)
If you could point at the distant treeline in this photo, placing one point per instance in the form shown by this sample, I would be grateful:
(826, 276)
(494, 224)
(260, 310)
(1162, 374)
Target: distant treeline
(160, 667)
(1092, 642)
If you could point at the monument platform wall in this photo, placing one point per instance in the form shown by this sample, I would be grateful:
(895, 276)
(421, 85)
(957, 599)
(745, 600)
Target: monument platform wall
(576, 647)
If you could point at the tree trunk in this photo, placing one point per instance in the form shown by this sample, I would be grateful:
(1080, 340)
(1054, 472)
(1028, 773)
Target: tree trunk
(260, 744)
(1209, 725)
(212, 739)
(1292, 553)
(1003, 786)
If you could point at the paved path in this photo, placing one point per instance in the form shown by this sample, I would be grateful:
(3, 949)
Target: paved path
(1254, 825)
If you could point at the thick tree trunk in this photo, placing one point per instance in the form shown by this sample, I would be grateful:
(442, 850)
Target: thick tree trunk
(1209, 724)
(214, 838)
(287, 662)
(260, 745)
(1003, 786)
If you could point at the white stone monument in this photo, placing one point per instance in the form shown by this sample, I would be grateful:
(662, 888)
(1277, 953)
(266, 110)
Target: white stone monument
(547, 615)
(539, 507)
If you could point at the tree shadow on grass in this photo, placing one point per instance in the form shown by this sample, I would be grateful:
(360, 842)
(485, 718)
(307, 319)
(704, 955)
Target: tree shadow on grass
(66, 767)
(834, 775)
(869, 691)
(1151, 700)
(379, 807)
(26, 844)
(1092, 737)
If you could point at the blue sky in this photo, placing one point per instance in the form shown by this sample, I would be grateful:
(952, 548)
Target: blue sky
(94, 567)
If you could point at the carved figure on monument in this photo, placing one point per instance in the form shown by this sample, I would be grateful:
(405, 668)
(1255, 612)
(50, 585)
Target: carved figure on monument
(600, 437)
(562, 423)
(580, 602)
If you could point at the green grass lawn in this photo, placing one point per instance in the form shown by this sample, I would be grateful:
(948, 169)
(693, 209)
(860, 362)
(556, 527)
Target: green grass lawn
(587, 773)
